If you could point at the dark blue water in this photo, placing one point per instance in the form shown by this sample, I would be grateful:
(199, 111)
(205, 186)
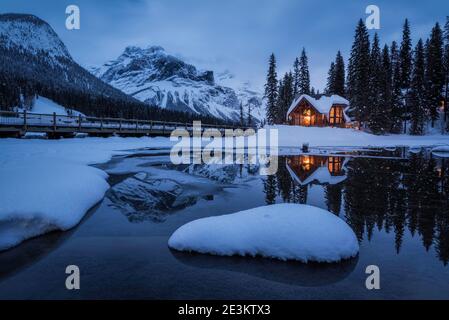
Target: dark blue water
(395, 201)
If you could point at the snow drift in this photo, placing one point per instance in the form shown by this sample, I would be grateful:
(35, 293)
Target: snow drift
(281, 231)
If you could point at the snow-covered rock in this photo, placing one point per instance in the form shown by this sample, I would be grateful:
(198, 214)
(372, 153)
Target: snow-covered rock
(281, 231)
(153, 76)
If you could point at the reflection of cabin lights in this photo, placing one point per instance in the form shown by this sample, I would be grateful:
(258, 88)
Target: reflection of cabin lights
(440, 173)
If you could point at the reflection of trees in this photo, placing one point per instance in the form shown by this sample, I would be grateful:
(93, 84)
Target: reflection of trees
(385, 194)
(398, 195)
(333, 197)
(270, 189)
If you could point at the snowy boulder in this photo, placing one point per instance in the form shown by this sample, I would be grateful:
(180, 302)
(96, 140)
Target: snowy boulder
(281, 231)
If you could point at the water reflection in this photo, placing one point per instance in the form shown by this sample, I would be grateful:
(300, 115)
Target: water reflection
(409, 192)
(287, 272)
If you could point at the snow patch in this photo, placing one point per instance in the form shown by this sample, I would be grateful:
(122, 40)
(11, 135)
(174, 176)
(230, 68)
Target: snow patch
(280, 231)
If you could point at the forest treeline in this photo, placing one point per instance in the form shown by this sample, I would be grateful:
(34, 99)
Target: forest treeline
(394, 88)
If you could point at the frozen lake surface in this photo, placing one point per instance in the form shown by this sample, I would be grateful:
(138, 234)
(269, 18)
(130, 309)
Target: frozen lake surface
(395, 201)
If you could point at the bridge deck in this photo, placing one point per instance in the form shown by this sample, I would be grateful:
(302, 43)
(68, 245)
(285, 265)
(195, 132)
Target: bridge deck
(19, 123)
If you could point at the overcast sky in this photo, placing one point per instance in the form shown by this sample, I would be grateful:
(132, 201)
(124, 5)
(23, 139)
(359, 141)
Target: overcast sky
(238, 35)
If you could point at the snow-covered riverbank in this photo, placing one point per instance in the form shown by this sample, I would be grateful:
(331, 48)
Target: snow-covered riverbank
(48, 185)
(295, 136)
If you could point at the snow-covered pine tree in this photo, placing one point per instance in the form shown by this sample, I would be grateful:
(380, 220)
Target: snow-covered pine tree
(358, 74)
(304, 75)
(434, 72)
(417, 98)
(271, 91)
(396, 103)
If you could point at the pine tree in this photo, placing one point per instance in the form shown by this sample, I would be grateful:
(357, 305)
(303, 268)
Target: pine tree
(446, 70)
(376, 113)
(250, 119)
(241, 115)
(304, 76)
(405, 56)
(330, 80)
(386, 89)
(417, 91)
(296, 76)
(434, 72)
(271, 91)
(396, 104)
(339, 81)
(358, 74)
(285, 97)
(405, 64)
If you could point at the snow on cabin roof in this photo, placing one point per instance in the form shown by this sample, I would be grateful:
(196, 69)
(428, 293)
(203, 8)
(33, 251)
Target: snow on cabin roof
(322, 105)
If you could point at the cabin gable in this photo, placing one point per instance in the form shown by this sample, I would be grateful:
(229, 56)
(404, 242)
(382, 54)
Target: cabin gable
(327, 111)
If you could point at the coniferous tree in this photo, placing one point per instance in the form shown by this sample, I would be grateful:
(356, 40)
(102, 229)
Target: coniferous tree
(405, 56)
(434, 72)
(296, 77)
(330, 79)
(405, 62)
(241, 114)
(285, 97)
(304, 76)
(375, 113)
(446, 71)
(250, 120)
(358, 74)
(396, 104)
(271, 91)
(417, 91)
(339, 81)
(386, 89)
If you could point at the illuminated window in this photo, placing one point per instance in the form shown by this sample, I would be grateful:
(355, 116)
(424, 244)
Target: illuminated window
(334, 165)
(336, 115)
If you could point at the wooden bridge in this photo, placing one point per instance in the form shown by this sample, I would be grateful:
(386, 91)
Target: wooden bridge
(17, 124)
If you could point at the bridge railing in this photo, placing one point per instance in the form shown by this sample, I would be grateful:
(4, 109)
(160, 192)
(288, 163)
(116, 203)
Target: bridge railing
(80, 122)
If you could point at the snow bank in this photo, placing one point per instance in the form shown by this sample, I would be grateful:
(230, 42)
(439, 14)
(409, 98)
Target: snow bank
(281, 231)
(43, 105)
(295, 136)
(443, 149)
(47, 185)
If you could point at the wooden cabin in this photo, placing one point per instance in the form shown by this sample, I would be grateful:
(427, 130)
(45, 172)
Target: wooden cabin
(326, 111)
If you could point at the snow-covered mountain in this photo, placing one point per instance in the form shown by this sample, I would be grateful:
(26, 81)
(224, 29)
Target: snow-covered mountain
(34, 61)
(32, 35)
(153, 76)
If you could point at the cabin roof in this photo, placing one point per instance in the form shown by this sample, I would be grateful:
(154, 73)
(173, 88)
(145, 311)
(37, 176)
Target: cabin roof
(322, 105)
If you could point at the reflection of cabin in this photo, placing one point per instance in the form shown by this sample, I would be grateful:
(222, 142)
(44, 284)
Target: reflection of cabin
(326, 111)
(306, 169)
